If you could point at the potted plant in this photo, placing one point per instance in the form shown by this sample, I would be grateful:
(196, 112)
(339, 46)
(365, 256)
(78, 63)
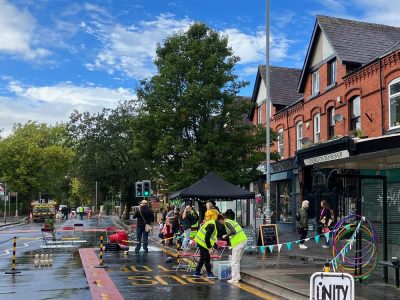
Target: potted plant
(49, 224)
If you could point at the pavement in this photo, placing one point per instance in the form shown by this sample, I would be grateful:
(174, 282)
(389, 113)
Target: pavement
(287, 274)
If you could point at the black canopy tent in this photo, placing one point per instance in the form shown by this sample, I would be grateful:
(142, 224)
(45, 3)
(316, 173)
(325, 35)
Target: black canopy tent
(214, 187)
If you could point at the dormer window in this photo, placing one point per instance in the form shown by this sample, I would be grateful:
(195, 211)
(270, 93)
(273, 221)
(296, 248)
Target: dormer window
(332, 72)
(315, 82)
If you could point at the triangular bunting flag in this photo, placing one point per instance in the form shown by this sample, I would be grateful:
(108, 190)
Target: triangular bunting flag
(335, 264)
(298, 241)
(262, 249)
(307, 239)
(347, 227)
(317, 238)
(279, 247)
(289, 245)
(326, 234)
(271, 248)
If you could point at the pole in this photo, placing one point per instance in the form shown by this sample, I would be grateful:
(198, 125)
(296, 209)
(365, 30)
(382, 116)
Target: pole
(96, 198)
(267, 211)
(13, 269)
(101, 264)
(5, 202)
(9, 204)
(16, 204)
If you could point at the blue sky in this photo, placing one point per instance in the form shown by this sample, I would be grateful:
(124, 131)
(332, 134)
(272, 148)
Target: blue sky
(60, 55)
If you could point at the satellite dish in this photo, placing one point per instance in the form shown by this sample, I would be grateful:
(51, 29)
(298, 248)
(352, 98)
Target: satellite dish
(338, 118)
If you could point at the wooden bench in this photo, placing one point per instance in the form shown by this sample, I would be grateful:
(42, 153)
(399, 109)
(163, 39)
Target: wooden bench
(389, 264)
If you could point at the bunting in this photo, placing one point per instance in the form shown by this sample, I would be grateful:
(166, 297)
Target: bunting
(271, 248)
(316, 238)
(289, 245)
(279, 248)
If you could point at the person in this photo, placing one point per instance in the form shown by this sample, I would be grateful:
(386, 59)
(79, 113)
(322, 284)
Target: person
(176, 221)
(144, 215)
(238, 241)
(230, 214)
(303, 223)
(167, 233)
(188, 219)
(205, 239)
(325, 219)
(81, 212)
(211, 212)
(64, 211)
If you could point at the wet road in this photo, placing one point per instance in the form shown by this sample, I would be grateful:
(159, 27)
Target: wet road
(136, 276)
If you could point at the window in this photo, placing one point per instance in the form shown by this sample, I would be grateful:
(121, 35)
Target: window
(299, 134)
(315, 82)
(259, 115)
(331, 72)
(355, 120)
(317, 127)
(280, 142)
(331, 122)
(394, 103)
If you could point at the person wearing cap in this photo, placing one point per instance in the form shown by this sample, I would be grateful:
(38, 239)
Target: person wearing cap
(144, 215)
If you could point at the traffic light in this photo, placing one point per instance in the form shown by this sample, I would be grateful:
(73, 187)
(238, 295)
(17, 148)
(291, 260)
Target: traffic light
(146, 188)
(139, 189)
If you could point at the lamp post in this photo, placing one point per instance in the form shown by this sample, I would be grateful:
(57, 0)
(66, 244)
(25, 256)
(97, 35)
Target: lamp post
(267, 212)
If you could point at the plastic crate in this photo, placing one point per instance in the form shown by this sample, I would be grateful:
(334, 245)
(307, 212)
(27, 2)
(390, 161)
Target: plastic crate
(222, 269)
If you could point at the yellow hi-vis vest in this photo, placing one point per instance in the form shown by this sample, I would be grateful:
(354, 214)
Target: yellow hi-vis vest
(201, 235)
(239, 237)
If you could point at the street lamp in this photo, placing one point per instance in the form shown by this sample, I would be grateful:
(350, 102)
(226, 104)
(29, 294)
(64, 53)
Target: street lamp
(267, 212)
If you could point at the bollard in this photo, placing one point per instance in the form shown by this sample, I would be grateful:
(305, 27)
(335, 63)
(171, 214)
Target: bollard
(13, 270)
(327, 268)
(101, 265)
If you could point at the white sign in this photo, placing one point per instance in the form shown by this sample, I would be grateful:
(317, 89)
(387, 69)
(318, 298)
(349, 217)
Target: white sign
(326, 157)
(331, 286)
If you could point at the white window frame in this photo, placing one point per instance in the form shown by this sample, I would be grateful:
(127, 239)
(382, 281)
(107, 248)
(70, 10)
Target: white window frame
(259, 114)
(317, 128)
(315, 82)
(358, 98)
(332, 71)
(395, 81)
(299, 135)
(280, 142)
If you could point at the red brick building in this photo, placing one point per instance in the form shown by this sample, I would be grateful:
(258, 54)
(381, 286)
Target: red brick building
(339, 126)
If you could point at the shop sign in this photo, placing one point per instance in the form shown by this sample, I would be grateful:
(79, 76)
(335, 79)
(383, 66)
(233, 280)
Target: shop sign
(282, 166)
(331, 286)
(326, 157)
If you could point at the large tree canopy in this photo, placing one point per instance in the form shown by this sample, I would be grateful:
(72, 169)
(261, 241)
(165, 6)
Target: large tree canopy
(34, 159)
(105, 149)
(192, 120)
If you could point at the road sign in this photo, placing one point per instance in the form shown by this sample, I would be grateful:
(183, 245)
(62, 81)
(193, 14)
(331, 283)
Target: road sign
(331, 286)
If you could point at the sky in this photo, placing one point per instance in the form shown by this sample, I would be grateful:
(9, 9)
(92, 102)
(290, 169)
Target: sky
(61, 55)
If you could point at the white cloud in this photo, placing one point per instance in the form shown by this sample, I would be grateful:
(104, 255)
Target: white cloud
(130, 50)
(17, 32)
(52, 104)
(251, 48)
(380, 11)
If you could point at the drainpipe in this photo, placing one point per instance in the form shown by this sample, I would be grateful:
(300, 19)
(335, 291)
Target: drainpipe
(381, 93)
(287, 124)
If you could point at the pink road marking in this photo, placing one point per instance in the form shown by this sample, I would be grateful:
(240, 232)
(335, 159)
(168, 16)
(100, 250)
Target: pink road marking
(100, 284)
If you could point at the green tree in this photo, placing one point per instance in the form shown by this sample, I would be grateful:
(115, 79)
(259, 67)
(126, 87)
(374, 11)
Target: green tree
(105, 149)
(192, 120)
(34, 159)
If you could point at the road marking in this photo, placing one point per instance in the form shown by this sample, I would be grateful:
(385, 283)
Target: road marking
(105, 296)
(254, 291)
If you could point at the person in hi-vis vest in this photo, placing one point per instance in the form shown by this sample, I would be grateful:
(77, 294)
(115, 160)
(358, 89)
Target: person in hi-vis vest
(238, 240)
(205, 238)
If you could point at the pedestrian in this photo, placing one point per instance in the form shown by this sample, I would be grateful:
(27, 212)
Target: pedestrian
(144, 216)
(325, 220)
(211, 212)
(188, 219)
(81, 212)
(230, 214)
(303, 223)
(205, 239)
(64, 210)
(238, 241)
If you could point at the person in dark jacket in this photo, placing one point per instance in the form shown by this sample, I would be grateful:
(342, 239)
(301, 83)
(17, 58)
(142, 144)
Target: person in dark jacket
(325, 220)
(303, 223)
(144, 215)
(189, 218)
(205, 239)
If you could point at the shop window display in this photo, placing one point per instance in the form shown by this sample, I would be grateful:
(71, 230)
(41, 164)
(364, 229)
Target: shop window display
(285, 202)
